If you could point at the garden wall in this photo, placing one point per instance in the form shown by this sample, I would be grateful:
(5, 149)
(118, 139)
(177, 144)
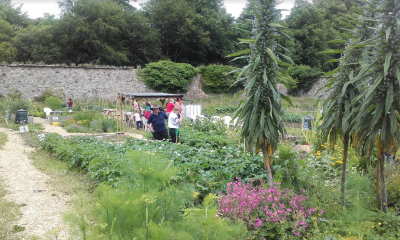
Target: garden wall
(75, 82)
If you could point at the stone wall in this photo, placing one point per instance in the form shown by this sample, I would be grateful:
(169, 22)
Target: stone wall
(77, 82)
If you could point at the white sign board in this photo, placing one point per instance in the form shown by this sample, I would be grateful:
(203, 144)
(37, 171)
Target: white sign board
(23, 129)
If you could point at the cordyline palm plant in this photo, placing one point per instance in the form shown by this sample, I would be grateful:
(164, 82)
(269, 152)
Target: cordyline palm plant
(378, 117)
(260, 110)
(339, 106)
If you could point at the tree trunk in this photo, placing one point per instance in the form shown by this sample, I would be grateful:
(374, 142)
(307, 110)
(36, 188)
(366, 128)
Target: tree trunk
(377, 197)
(267, 166)
(345, 152)
(383, 183)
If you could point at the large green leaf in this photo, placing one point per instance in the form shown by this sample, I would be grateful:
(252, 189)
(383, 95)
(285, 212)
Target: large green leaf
(272, 55)
(387, 63)
(358, 10)
(337, 41)
(240, 53)
(333, 60)
(276, 25)
(389, 97)
(248, 41)
(347, 36)
(388, 33)
(333, 51)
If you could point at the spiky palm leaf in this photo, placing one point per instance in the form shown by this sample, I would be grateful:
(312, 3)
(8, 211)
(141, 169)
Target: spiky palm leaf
(339, 106)
(378, 118)
(260, 110)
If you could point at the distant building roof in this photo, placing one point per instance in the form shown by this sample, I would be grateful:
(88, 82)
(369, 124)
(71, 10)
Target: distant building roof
(150, 95)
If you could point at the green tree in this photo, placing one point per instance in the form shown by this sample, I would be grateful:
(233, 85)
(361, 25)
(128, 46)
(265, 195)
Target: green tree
(260, 110)
(142, 41)
(91, 31)
(7, 52)
(38, 43)
(377, 119)
(211, 15)
(183, 39)
(12, 13)
(312, 26)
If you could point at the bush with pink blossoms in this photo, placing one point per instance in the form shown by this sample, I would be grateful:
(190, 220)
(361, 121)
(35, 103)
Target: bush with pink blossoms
(270, 213)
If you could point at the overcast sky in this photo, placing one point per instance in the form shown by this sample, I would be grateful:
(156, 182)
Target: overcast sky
(36, 8)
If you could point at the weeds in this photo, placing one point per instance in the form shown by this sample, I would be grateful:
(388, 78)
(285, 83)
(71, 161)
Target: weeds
(9, 213)
(3, 139)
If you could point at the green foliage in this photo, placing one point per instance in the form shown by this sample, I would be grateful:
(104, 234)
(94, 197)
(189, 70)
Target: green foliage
(3, 139)
(312, 25)
(393, 185)
(7, 52)
(148, 205)
(213, 109)
(305, 77)
(53, 103)
(289, 169)
(104, 125)
(215, 79)
(293, 117)
(35, 126)
(46, 94)
(18, 104)
(10, 213)
(169, 77)
(260, 110)
(88, 115)
(210, 164)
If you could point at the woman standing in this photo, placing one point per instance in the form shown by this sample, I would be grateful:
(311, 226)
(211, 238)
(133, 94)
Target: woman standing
(174, 122)
(148, 110)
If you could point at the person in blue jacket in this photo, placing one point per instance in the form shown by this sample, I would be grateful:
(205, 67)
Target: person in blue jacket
(156, 124)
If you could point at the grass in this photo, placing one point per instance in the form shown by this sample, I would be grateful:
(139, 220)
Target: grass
(3, 139)
(72, 183)
(9, 213)
(61, 179)
(294, 131)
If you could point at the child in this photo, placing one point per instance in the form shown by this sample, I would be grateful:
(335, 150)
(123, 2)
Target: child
(138, 119)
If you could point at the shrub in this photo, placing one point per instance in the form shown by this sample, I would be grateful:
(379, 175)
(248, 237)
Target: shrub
(104, 125)
(46, 94)
(272, 213)
(215, 79)
(88, 115)
(305, 76)
(53, 103)
(393, 185)
(18, 104)
(167, 76)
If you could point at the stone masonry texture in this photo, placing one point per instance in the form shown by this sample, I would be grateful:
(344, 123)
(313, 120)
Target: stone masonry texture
(76, 82)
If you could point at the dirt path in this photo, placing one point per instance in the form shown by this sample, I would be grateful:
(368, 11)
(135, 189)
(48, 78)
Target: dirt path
(40, 206)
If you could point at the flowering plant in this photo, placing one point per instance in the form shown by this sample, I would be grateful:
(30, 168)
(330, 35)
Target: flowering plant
(271, 212)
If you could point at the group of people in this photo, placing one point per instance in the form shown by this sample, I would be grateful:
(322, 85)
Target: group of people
(156, 120)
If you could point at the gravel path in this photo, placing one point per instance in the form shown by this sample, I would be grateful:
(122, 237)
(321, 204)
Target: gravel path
(40, 206)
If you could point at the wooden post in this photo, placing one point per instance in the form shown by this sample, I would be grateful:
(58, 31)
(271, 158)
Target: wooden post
(120, 108)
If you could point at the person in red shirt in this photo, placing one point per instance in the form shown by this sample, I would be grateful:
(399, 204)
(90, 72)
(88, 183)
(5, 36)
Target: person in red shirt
(170, 106)
(70, 103)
